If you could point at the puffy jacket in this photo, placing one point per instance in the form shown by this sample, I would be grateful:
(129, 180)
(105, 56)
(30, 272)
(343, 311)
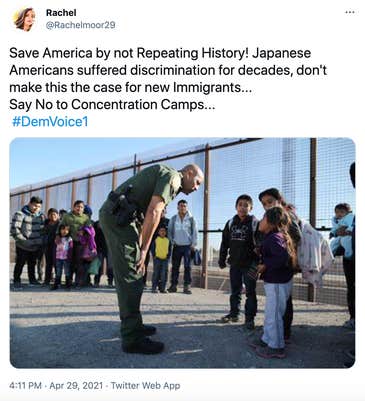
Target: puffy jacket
(75, 222)
(27, 229)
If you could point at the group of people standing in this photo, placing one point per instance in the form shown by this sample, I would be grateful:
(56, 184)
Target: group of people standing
(69, 241)
(133, 224)
(174, 238)
(265, 249)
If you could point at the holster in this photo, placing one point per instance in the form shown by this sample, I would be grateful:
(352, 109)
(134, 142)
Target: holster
(126, 211)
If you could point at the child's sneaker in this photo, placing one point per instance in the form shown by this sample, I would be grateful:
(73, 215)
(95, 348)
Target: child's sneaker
(269, 353)
(256, 342)
(250, 324)
(229, 318)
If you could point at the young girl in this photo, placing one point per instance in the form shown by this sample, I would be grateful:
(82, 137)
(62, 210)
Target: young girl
(64, 247)
(269, 198)
(279, 257)
(86, 237)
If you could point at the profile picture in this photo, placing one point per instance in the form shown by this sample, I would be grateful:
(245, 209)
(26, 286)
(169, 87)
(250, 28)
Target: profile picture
(24, 18)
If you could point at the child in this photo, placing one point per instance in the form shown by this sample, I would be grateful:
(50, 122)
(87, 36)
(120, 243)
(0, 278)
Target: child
(343, 218)
(273, 197)
(279, 257)
(161, 251)
(86, 237)
(50, 231)
(64, 247)
(239, 238)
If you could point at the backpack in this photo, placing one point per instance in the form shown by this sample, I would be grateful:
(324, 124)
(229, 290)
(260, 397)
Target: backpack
(314, 254)
(196, 257)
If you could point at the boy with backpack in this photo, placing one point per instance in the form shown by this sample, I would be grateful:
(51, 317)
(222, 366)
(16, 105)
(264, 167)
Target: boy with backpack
(238, 238)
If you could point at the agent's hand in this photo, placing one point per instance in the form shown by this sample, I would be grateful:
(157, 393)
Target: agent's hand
(140, 267)
(222, 265)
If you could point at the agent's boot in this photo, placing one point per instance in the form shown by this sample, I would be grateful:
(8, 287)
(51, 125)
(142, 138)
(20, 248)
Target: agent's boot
(148, 330)
(145, 346)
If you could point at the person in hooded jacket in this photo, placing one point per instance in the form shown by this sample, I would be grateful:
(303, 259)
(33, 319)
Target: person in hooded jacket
(27, 229)
(238, 239)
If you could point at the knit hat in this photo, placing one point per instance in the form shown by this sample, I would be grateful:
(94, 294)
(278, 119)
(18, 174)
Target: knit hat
(88, 210)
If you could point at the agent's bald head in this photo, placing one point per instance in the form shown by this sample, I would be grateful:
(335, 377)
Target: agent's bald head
(192, 178)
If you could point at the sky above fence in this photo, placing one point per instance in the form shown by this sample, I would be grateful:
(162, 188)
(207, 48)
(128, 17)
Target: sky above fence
(37, 159)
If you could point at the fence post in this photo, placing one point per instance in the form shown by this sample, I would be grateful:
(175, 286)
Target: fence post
(89, 189)
(135, 164)
(114, 179)
(312, 201)
(73, 193)
(22, 200)
(46, 201)
(204, 272)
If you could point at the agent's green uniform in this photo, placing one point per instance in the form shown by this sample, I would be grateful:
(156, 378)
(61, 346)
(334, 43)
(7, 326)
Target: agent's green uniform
(123, 242)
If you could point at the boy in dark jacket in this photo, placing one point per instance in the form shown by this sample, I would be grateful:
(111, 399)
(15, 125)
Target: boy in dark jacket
(239, 239)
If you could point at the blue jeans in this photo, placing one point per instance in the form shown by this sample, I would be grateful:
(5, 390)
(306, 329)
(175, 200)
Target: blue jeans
(276, 299)
(159, 277)
(178, 252)
(64, 265)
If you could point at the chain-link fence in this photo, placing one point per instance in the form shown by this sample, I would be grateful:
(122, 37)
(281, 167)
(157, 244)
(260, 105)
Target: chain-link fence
(313, 174)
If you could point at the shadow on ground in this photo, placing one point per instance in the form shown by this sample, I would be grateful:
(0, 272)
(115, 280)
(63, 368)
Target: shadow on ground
(198, 344)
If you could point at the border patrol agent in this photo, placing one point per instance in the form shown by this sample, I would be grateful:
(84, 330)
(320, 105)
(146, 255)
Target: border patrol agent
(128, 218)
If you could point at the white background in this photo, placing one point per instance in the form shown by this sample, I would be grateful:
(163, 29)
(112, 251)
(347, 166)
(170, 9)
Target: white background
(330, 106)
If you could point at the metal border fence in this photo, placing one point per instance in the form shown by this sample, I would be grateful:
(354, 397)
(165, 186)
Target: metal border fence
(68, 189)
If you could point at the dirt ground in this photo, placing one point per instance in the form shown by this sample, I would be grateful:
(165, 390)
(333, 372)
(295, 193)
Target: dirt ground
(80, 329)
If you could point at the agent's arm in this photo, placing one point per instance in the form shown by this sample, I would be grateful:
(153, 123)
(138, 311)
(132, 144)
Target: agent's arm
(150, 223)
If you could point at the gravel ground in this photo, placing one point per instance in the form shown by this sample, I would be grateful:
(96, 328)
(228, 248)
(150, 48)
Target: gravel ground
(80, 329)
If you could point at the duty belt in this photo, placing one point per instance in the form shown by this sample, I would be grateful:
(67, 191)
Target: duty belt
(125, 210)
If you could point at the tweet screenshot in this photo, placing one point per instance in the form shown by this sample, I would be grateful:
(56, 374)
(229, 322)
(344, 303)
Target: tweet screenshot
(181, 200)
